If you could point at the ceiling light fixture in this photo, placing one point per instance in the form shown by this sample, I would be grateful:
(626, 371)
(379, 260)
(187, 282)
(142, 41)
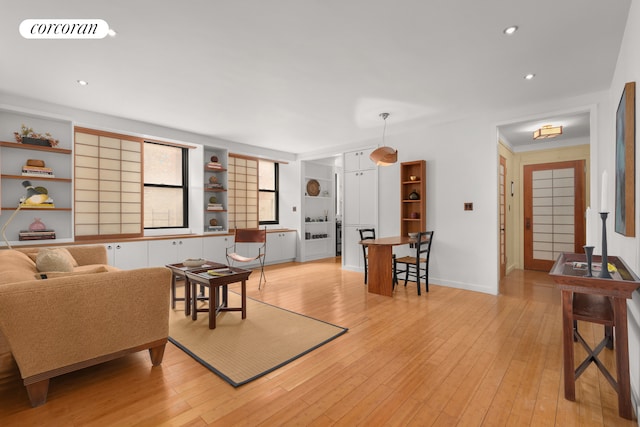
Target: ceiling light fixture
(547, 131)
(529, 76)
(112, 32)
(510, 30)
(82, 82)
(384, 156)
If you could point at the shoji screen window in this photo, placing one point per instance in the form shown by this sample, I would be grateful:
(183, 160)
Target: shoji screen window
(108, 185)
(243, 191)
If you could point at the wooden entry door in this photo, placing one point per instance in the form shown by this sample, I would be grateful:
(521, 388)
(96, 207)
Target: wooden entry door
(553, 212)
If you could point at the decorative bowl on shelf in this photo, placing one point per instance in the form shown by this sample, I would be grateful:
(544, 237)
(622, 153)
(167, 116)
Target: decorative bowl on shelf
(413, 178)
(413, 235)
(193, 262)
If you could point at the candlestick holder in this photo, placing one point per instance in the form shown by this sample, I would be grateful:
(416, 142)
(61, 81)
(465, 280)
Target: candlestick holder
(604, 271)
(588, 250)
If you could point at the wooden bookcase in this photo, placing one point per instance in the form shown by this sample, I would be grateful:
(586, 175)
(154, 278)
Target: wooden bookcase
(413, 211)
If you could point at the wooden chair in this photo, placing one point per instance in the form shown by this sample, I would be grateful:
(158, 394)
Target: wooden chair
(416, 266)
(248, 238)
(370, 234)
(366, 234)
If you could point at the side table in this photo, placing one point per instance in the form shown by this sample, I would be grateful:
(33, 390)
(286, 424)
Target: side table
(569, 273)
(179, 270)
(220, 278)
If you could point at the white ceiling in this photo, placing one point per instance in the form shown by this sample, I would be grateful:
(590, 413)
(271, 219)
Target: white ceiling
(302, 75)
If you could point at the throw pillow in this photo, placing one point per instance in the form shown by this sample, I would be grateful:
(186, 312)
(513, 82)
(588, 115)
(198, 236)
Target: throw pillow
(54, 274)
(53, 260)
(62, 251)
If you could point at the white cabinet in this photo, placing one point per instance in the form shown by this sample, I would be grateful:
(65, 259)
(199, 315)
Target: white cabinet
(281, 246)
(127, 255)
(163, 252)
(360, 197)
(352, 249)
(360, 207)
(358, 160)
(214, 248)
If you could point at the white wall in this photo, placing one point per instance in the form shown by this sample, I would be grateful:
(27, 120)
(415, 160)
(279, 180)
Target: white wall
(461, 167)
(627, 70)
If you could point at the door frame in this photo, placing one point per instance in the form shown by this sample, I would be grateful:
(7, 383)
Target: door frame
(579, 210)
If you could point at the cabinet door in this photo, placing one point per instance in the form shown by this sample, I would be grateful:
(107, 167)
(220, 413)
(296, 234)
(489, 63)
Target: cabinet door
(289, 245)
(127, 256)
(351, 204)
(163, 252)
(352, 250)
(214, 248)
(358, 160)
(281, 247)
(367, 192)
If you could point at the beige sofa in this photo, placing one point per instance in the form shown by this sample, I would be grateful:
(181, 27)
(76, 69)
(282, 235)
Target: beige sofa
(78, 318)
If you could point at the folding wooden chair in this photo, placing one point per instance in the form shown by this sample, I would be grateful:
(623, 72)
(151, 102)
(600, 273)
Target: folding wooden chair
(252, 241)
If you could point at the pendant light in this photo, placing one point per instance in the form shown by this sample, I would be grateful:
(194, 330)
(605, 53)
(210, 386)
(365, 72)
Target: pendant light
(384, 156)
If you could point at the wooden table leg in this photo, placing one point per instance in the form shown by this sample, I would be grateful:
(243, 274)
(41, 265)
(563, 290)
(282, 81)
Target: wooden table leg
(567, 346)
(214, 300)
(244, 299)
(380, 276)
(173, 291)
(187, 297)
(622, 358)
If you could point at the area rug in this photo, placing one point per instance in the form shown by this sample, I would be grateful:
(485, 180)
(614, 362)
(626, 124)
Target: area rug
(240, 350)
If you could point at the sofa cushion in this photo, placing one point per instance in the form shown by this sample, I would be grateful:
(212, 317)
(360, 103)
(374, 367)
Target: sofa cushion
(16, 267)
(76, 271)
(57, 259)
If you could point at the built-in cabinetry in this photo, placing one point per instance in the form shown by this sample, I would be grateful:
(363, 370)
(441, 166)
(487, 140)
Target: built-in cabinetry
(214, 247)
(413, 196)
(128, 255)
(215, 190)
(163, 252)
(13, 156)
(318, 231)
(360, 208)
(281, 246)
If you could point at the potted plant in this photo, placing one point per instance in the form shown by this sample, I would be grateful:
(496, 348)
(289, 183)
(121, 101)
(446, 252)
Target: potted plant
(28, 136)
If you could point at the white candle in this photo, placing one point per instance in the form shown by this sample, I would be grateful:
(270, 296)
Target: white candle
(588, 215)
(603, 194)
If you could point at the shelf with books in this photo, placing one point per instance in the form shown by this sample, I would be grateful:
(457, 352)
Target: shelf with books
(215, 190)
(46, 168)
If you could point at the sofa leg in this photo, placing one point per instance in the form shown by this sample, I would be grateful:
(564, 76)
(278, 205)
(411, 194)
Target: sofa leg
(157, 353)
(38, 392)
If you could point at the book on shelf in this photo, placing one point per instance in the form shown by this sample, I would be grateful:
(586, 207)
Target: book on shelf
(36, 235)
(215, 228)
(215, 165)
(37, 171)
(215, 207)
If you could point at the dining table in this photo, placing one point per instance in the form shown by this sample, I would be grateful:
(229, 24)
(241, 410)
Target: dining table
(380, 264)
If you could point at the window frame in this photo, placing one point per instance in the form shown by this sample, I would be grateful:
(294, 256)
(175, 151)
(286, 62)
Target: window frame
(275, 191)
(185, 187)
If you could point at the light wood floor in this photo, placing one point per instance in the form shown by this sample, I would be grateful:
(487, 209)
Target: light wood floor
(447, 358)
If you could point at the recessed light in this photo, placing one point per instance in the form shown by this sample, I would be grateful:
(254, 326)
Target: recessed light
(112, 32)
(529, 76)
(82, 82)
(510, 30)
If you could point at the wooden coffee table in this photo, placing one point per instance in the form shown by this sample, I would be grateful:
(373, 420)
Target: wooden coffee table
(216, 282)
(179, 270)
